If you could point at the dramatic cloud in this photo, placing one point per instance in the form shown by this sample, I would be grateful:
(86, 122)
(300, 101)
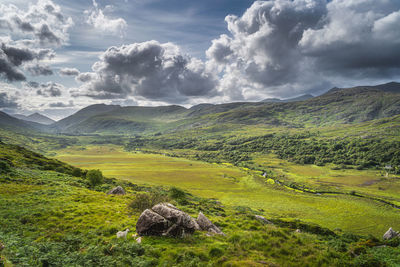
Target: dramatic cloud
(286, 47)
(148, 70)
(12, 57)
(50, 89)
(358, 38)
(69, 72)
(101, 22)
(37, 70)
(26, 32)
(41, 24)
(7, 102)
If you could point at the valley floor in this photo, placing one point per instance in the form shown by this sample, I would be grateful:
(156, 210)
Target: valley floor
(232, 185)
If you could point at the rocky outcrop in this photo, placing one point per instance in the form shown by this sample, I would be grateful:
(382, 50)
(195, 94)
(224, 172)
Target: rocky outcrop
(206, 225)
(165, 220)
(117, 191)
(390, 234)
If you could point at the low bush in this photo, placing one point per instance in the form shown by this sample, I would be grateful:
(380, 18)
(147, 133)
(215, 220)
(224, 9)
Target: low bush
(147, 200)
(95, 177)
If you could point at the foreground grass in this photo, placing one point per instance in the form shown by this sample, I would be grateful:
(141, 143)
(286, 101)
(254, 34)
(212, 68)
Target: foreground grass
(48, 218)
(235, 186)
(51, 218)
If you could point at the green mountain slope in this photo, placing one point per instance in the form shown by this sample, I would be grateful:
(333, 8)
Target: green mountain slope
(35, 117)
(8, 122)
(337, 106)
(295, 99)
(81, 115)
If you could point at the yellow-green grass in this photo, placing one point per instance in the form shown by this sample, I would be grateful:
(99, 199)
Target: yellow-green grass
(371, 182)
(234, 186)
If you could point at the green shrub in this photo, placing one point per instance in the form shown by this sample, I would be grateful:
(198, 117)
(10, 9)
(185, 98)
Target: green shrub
(4, 167)
(176, 193)
(77, 172)
(147, 200)
(95, 177)
(216, 252)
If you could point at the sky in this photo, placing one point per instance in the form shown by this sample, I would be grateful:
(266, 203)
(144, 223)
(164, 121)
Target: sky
(58, 56)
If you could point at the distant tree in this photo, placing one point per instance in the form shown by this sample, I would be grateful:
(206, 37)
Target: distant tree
(95, 177)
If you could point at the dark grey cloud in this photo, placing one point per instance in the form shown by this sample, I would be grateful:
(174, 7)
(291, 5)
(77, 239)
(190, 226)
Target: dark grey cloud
(12, 57)
(358, 38)
(69, 72)
(37, 70)
(46, 36)
(50, 89)
(149, 70)
(284, 47)
(7, 101)
(26, 31)
(24, 26)
(33, 84)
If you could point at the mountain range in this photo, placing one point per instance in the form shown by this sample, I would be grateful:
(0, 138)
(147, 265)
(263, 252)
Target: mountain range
(338, 105)
(295, 99)
(35, 117)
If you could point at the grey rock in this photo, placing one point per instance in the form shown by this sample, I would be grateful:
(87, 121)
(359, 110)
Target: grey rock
(206, 225)
(165, 220)
(390, 234)
(117, 191)
(262, 219)
(176, 216)
(151, 223)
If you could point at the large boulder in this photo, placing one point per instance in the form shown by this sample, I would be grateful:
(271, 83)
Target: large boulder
(117, 191)
(206, 225)
(165, 220)
(390, 234)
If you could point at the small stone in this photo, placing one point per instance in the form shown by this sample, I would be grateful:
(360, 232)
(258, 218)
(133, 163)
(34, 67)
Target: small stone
(297, 231)
(390, 234)
(262, 219)
(206, 225)
(117, 191)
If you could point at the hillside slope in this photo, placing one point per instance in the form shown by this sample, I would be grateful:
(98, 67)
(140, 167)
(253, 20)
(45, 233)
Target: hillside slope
(35, 117)
(337, 106)
(81, 115)
(8, 122)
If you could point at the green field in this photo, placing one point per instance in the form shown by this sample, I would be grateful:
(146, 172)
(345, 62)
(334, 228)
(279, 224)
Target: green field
(235, 186)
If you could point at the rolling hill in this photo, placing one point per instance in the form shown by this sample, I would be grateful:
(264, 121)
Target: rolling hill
(35, 117)
(336, 106)
(295, 99)
(8, 122)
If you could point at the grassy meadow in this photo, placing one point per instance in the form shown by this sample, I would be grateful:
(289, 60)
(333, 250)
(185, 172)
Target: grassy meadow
(51, 218)
(239, 186)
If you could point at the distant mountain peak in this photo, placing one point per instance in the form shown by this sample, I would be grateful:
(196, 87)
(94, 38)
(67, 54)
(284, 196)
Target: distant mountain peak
(294, 99)
(40, 118)
(390, 87)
